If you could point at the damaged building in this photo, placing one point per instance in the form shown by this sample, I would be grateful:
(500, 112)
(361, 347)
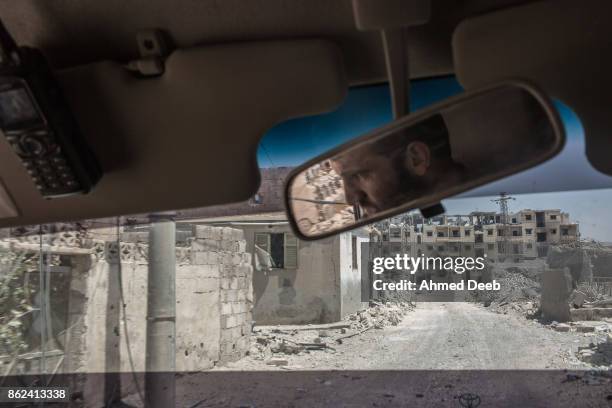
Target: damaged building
(527, 234)
(298, 282)
(94, 318)
(294, 282)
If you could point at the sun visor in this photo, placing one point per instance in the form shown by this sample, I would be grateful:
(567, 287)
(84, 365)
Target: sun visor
(185, 139)
(561, 46)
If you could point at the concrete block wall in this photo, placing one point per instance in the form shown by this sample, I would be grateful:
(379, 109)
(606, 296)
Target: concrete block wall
(213, 309)
(224, 251)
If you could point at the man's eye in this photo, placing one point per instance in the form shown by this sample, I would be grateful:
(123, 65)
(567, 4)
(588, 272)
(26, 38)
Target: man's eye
(361, 175)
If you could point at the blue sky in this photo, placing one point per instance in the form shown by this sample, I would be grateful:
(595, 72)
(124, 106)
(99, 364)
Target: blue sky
(293, 142)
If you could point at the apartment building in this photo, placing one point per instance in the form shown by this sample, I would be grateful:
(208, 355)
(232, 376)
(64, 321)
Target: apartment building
(526, 233)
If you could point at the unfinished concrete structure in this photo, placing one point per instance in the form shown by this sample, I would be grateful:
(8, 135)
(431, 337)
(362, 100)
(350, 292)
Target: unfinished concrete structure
(527, 234)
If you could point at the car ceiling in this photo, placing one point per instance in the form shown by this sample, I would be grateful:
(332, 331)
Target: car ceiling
(74, 32)
(279, 49)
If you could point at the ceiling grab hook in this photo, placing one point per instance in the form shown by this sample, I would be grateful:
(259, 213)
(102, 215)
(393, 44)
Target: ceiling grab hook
(154, 47)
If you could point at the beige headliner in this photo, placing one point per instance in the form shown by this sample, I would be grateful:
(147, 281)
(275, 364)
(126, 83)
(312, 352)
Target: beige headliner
(73, 32)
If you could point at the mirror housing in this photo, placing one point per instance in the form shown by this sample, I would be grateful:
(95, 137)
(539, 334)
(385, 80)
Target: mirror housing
(416, 161)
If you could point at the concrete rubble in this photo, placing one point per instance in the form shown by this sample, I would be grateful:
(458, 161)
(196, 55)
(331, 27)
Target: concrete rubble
(520, 288)
(558, 288)
(597, 354)
(270, 343)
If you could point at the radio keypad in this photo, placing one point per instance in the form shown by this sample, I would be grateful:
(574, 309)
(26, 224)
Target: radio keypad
(44, 162)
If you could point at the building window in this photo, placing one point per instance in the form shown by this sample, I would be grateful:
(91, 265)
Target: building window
(489, 232)
(429, 234)
(553, 231)
(553, 217)
(396, 233)
(515, 233)
(565, 231)
(527, 217)
(455, 233)
(490, 247)
(430, 247)
(468, 233)
(514, 220)
(282, 247)
(500, 232)
(440, 234)
(529, 246)
(441, 248)
(528, 231)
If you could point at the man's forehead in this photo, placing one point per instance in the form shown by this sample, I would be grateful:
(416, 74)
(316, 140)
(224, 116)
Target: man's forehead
(355, 159)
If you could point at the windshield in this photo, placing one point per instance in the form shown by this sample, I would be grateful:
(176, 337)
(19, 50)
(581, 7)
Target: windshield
(229, 307)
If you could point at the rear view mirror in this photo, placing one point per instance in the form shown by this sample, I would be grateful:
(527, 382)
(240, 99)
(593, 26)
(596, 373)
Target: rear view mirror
(416, 161)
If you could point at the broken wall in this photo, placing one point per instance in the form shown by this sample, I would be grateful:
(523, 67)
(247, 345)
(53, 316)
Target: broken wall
(213, 307)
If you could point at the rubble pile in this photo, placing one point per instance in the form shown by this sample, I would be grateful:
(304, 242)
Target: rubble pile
(379, 315)
(519, 290)
(269, 343)
(599, 354)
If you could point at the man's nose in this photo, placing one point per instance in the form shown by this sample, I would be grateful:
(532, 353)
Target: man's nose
(353, 194)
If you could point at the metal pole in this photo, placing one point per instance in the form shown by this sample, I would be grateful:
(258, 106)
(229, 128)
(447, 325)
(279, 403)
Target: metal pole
(161, 308)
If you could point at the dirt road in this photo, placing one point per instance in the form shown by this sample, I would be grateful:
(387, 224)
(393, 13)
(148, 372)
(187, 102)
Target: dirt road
(439, 354)
(461, 336)
(443, 336)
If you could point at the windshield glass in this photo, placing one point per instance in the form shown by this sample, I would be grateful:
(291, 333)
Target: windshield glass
(230, 291)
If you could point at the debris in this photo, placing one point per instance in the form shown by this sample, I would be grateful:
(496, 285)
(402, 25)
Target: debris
(277, 362)
(519, 288)
(287, 348)
(601, 303)
(584, 329)
(293, 340)
(561, 327)
(597, 354)
(578, 298)
(316, 346)
(339, 339)
(289, 328)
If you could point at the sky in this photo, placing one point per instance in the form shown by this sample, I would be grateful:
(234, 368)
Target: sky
(587, 191)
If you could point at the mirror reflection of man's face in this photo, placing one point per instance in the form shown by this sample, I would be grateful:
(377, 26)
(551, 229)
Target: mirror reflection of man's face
(377, 181)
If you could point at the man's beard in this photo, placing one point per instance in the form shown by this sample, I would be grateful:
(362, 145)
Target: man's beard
(408, 187)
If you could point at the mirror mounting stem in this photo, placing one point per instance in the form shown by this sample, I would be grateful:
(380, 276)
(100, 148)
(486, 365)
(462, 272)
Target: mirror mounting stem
(398, 73)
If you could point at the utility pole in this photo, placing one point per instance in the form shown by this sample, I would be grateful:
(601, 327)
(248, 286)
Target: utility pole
(503, 210)
(161, 313)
